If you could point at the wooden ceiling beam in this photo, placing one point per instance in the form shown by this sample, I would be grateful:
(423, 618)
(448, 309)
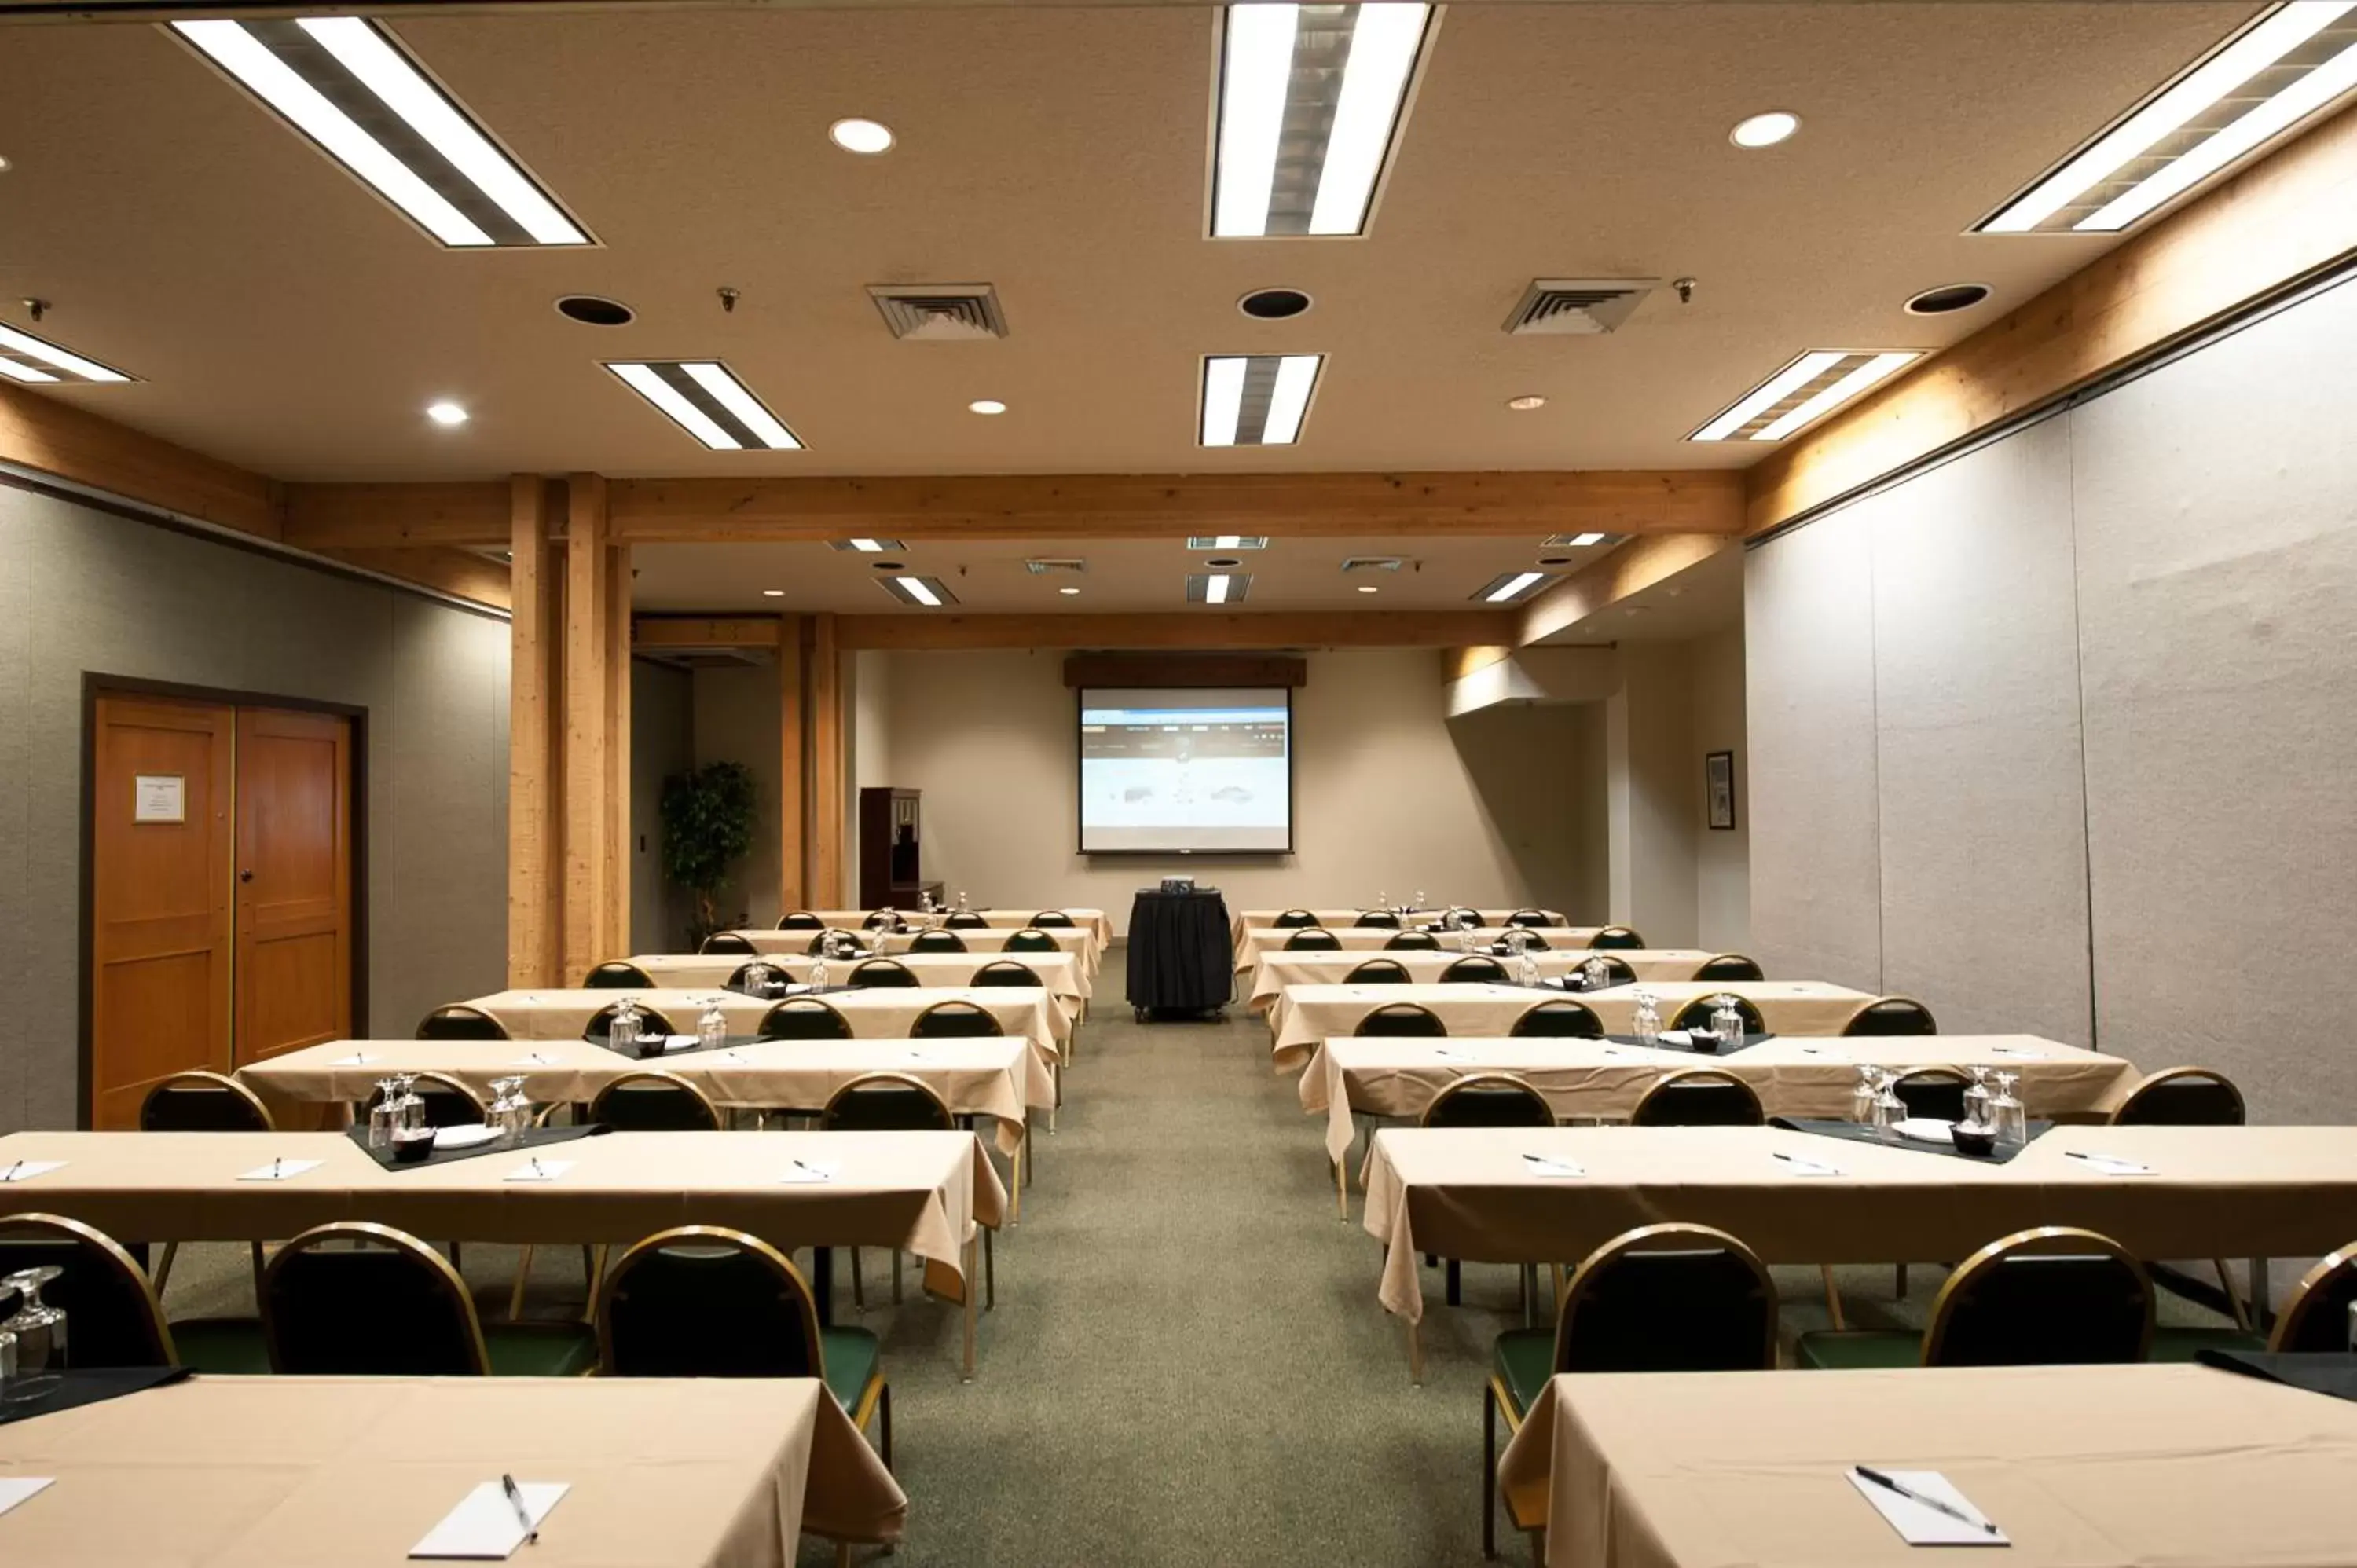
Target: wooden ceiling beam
(704, 631)
(60, 438)
(458, 514)
(1634, 567)
(1231, 631)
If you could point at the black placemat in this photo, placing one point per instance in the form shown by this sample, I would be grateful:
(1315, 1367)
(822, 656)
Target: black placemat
(89, 1385)
(2333, 1372)
(787, 990)
(658, 1057)
(529, 1139)
(1857, 1132)
(1748, 1041)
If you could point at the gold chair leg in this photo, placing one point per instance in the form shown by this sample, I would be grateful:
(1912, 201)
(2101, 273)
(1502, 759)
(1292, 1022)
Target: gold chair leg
(1833, 1296)
(257, 1275)
(523, 1273)
(843, 1554)
(164, 1266)
(2226, 1282)
(859, 1286)
(1341, 1190)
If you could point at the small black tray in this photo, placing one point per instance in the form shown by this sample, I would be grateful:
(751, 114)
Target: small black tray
(1855, 1132)
(91, 1385)
(531, 1138)
(1748, 1041)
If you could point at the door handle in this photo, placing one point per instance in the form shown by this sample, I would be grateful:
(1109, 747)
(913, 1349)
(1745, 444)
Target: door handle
(245, 876)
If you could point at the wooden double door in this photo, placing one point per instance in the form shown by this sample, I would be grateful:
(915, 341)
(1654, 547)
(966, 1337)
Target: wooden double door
(221, 857)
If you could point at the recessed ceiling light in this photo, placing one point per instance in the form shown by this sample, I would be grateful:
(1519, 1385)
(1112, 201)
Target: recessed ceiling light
(1555, 559)
(446, 413)
(1580, 541)
(865, 136)
(1068, 589)
(987, 406)
(1257, 400)
(1946, 298)
(346, 85)
(1810, 387)
(1338, 76)
(930, 592)
(1509, 585)
(24, 358)
(592, 311)
(1273, 303)
(2282, 69)
(1526, 402)
(1200, 542)
(867, 547)
(1218, 587)
(1764, 130)
(773, 593)
(705, 398)
(1369, 588)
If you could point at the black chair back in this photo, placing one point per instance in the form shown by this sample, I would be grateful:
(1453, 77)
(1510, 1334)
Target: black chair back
(1006, 972)
(1423, 941)
(1293, 917)
(1697, 1014)
(800, 920)
(1477, 968)
(448, 1102)
(701, 1302)
(1531, 940)
(1560, 1020)
(1031, 939)
(461, 1023)
(857, 940)
(968, 922)
(601, 1022)
(1616, 937)
(1383, 918)
(654, 1102)
(887, 1102)
(1668, 1298)
(1728, 966)
(1488, 1099)
(1527, 917)
(112, 1318)
(804, 1018)
(727, 942)
(388, 1306)
(1313, 939)
(937, 942)
(1891, 1015)
(1461, 917)
(884, 920)
(1698, 1097)
(2052, 1296)
(882, 972)
(2316, 1319)
(954, 1021)
(1053, 918)
(615, 975)
(740, 979)
(1937, 1091)
(1377, 971)
(1402, 1020)
(2182, 1096)
(1617, 970)
(203, 1102)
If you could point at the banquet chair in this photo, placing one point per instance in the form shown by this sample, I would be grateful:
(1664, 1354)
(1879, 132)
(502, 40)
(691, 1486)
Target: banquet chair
(1888, 1016)
(942, 940)
(968, 921)
(115, 1316)
(800, 920)
(198, 1101)
(601, 1024)
(650, 1101)
(727, 942)
(448, 1101)
(1527, 917)
(1697, 1014)
(1476, 969)
(1698, 1097)
(1616, 937)
(354, 1299)
(2188, 1097)
(1617, 970)
(2314, 1321)
(888, 972)
(1488, 1099)
(1377, 971)
(859, 939)
(1565, 1020)
(1936, 1092)
(954, 1020)
(1662, 1298)
(1031, 939)
(1293, 917)
(459, 1021)
(1728, 966)
(698, 1301)
(2053, 1295)
(1053, 918)
(741, 978)
(804, 1018)
(615, 975)
(1005, 972)
(1402, 1020)
(1422, 941)
(1382, 918)
(1460, 918)
(1313, 939)
(884, 920)
(895, 1103)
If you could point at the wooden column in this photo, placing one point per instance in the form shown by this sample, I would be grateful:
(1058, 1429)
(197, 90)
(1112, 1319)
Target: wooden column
(536, 730)
(614, 912)
(792, 709)
(824, 856)
(588, 707)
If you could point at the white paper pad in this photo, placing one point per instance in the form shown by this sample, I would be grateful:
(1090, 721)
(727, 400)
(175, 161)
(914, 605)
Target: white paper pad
(1541, 1166)
(1921, 1526)
(280, 1170)
(26, 1170)
(2020, 1052)
(358, 1058)
(1801, 1165)
(680, 1042)
(545, 1170)
(533, 1059)
(484, 1528)
(808, 1171)
(15, 1490)
(2111, 1165)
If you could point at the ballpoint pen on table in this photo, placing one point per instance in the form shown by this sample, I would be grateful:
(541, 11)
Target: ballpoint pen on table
(13, 1170)
(815, 1171)
(274, 1172)
(524, 1514)
(1935, 1504)
(537, 1174)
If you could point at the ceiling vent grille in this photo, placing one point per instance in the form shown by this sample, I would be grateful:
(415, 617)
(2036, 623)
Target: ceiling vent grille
(941, 313)
(1582, 306)
(1371, 564)
(1047, 565)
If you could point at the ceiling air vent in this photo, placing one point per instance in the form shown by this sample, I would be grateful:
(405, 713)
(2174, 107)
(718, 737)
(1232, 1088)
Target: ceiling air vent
(1046, 565)
(941, 313)
(1371, 564)
(1580, 305)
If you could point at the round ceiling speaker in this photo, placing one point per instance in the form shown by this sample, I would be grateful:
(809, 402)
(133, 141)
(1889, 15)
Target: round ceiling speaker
(1947, 298)
(592, 311)
(1273, 303)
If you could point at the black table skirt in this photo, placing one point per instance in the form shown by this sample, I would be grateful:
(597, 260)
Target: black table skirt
(1179, 956)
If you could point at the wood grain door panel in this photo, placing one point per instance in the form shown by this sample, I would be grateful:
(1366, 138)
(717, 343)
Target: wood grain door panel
(294, 881)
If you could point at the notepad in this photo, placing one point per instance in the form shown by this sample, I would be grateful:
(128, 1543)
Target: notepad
(681, 1042)
(26, 1170)
(1541, 1166)
(15, 1490)
(1799, 1165)
(1920, 1525)
(2110, 1165)
(483, 1528)
(2019, 1053)
(279, 1170)
(808, 1171)
(539, 1170)
(358, 1058)
(533, 1059)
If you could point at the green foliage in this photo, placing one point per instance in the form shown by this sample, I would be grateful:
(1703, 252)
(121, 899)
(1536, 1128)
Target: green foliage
(707, 826)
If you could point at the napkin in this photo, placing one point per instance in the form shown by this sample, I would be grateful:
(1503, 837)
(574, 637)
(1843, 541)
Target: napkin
(2111, 1165)
(483, 1528)
(539, 1170)
(1545, 1166)
(680, 1042)
(15, 1490)
(26, 1170)
(1918, 1525)
(808, 1171)
(279, 1170)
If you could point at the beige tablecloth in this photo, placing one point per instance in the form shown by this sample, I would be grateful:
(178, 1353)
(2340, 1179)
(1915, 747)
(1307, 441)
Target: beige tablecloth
(2278, 1192)
(1277, 969)
(921, 1192)
(995, 1077)
(1080, 941)
(2080, 1466)
(1093, 922)
(1060, 974)
(1305, 1014)
(1254, 942)
(1794, 1076)
(876, 1011)
(340, 1472)
(1243, 923)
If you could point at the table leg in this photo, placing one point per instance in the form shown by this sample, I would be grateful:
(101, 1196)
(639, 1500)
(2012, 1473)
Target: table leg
(2258, 1294)
(972, 1293)
(1414, 1355)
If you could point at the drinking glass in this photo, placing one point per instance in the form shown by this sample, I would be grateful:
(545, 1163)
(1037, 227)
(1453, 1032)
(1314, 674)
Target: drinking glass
(1648, 1023)
(1594, 974)
(1383, 900)
(2006, 1113)
(1888, 1109)
(1863, 1093)
(39, 1330)
(1976, 1098)
(712, 1028)
(1526, 968)
(818, 972)
(622, 1032)
(510, 1113)
(383, 1114)
(1727, 1019)
(1417, 902)
(964, 907)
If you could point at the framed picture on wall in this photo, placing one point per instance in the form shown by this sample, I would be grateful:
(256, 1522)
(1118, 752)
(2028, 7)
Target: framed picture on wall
(1719, 789)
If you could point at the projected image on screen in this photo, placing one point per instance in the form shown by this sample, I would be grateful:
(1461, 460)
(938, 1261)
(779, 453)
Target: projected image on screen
(1186, 771)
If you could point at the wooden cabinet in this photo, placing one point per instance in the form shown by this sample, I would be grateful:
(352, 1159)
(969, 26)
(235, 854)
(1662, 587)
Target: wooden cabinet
(891, 865)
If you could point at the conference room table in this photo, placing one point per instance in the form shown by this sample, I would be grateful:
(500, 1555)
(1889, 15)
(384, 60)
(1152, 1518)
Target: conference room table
(1095, 923)
(873, 1011)
(1274, 970)
(1553, 1195)
(1302, 1015)
(1060, 974)
(1256, 942)
(1242, 922)
(330, 1472)
(1080, 942)
(921, 1193)
(2095, 1466)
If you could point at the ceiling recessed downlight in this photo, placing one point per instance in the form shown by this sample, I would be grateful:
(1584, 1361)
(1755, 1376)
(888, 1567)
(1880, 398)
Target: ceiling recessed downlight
(1764, 130)
(1811, 386)
(1369, 588)
(447, 414)
(867, 137)
(1068, 589)
(1947, 298)
(987, 406)
(705, 398)
(593, 311)
(1310, 99)
(1526, 402)
(773, 593)
(1257, 400)
(1273, 303)
(24, 358)
(347, 84)
(1224, 563)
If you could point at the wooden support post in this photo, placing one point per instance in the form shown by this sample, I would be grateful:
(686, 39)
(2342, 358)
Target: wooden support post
(614, 938)
(792, 712)
(535, 727)
(589, 704)
(826, 823)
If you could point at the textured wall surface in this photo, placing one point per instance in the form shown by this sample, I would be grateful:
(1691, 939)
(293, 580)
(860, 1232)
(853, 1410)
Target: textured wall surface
(84, 591)
(1722, 856)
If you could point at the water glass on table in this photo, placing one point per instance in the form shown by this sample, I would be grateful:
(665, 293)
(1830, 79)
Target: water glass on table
(35, 1335)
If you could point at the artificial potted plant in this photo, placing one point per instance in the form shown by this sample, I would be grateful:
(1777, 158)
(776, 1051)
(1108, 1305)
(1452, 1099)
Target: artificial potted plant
(707, 826)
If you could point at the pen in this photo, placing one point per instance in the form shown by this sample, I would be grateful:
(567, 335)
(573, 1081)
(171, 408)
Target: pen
(537, 1173)
(13, 1170)
(274, 1172)
(1796, 1160)
(1935, 1504)
(524, 1514)
(820, 1175)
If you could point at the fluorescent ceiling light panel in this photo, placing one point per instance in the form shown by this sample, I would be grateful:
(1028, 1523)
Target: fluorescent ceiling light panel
(705, 398)
(1767, 394)
(868, 546)
(1808, 388)
(1257, 400)
(1227, 542)
(930, 593)
(18, 370)
(1310, 99)
(344, 82)
(26, 358)
(1510, 586)
(1218, 587)
(2282, 69)
(1832, 395)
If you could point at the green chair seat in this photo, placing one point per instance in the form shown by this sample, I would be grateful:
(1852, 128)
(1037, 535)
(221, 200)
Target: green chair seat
(231, 1347)
(540, 1350)
(1860, 1349)
(851, 1355)
(1523, 1361)
(2184, 1344)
